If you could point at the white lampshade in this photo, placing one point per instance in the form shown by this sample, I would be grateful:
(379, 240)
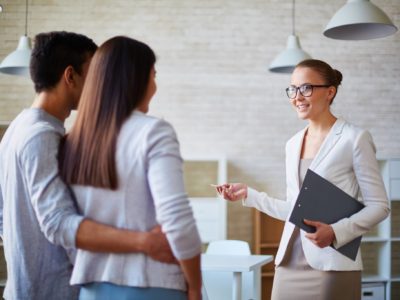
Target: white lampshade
(359, 20)
(290, 57)
(17, 62)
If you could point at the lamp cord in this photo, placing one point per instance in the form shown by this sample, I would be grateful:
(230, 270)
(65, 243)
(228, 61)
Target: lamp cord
(26, 18)
(293, 19)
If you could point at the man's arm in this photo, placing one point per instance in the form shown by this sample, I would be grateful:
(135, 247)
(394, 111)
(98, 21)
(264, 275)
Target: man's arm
(57, 214)
(97, 237)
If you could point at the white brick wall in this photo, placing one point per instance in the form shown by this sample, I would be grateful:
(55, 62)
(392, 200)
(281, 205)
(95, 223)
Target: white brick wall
(213, 79)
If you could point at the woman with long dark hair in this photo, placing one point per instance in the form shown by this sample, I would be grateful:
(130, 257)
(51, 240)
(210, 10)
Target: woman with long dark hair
(125, 169)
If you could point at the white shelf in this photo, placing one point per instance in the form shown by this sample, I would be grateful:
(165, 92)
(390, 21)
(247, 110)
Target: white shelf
(381, 261)
(395, 279)
(373, 239)
(374, 279)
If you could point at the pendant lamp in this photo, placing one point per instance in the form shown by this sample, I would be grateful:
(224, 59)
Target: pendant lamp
(359, 20)
(17, 62)
(286, 61)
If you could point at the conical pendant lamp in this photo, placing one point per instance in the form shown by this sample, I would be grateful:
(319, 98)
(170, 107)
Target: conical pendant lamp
(17, 62)
(359, 20)
(292, 55)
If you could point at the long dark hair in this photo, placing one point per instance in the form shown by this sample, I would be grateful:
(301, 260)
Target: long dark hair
(330, 76)
(116, 84)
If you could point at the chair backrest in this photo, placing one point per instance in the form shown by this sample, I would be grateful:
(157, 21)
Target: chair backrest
(218, 285)
(229, 247)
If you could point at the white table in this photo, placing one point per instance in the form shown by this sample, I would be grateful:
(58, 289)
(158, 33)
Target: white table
(237, 264)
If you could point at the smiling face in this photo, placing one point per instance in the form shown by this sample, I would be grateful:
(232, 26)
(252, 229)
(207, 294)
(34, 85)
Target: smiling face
(318, 104)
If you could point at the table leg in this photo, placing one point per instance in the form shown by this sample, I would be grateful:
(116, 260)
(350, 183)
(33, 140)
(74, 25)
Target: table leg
(257, 284)
(237, 286)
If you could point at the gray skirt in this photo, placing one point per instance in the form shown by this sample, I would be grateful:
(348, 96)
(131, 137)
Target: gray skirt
(295, 279)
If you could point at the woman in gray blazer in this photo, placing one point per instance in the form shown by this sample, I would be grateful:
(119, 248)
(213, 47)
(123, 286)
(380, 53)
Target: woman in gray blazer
(125, 170)
(306, 268)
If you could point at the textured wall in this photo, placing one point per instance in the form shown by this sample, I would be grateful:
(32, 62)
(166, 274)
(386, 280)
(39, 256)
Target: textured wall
(213, 82)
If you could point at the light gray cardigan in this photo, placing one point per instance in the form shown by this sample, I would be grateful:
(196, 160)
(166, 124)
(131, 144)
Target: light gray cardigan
(150, 191)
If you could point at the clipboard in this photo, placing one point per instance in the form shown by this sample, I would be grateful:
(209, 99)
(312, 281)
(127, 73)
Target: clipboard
(320, 200)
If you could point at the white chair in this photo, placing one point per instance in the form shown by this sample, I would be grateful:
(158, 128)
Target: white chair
(218, 285)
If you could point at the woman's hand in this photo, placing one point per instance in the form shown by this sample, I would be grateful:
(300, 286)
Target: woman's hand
(232, 191)
(323, 236)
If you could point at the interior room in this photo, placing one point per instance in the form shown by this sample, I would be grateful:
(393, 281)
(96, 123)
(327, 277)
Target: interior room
(218, 86)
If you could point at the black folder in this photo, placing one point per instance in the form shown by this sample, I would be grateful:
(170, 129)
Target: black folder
(320, 200)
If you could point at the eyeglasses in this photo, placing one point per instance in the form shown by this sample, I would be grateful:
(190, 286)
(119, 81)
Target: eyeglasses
(305, 89)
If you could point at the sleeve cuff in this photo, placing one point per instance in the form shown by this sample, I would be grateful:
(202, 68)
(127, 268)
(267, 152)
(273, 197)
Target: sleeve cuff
(252, 195)
(185, 246)
(337, 243)
(70, 231)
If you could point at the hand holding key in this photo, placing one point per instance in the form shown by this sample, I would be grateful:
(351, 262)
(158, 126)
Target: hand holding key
(232, 191)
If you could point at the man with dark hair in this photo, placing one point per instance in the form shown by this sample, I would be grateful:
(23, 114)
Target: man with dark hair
(54, 52)
(35, 203)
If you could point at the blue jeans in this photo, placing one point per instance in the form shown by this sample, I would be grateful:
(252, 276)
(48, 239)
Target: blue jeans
(109, 291)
